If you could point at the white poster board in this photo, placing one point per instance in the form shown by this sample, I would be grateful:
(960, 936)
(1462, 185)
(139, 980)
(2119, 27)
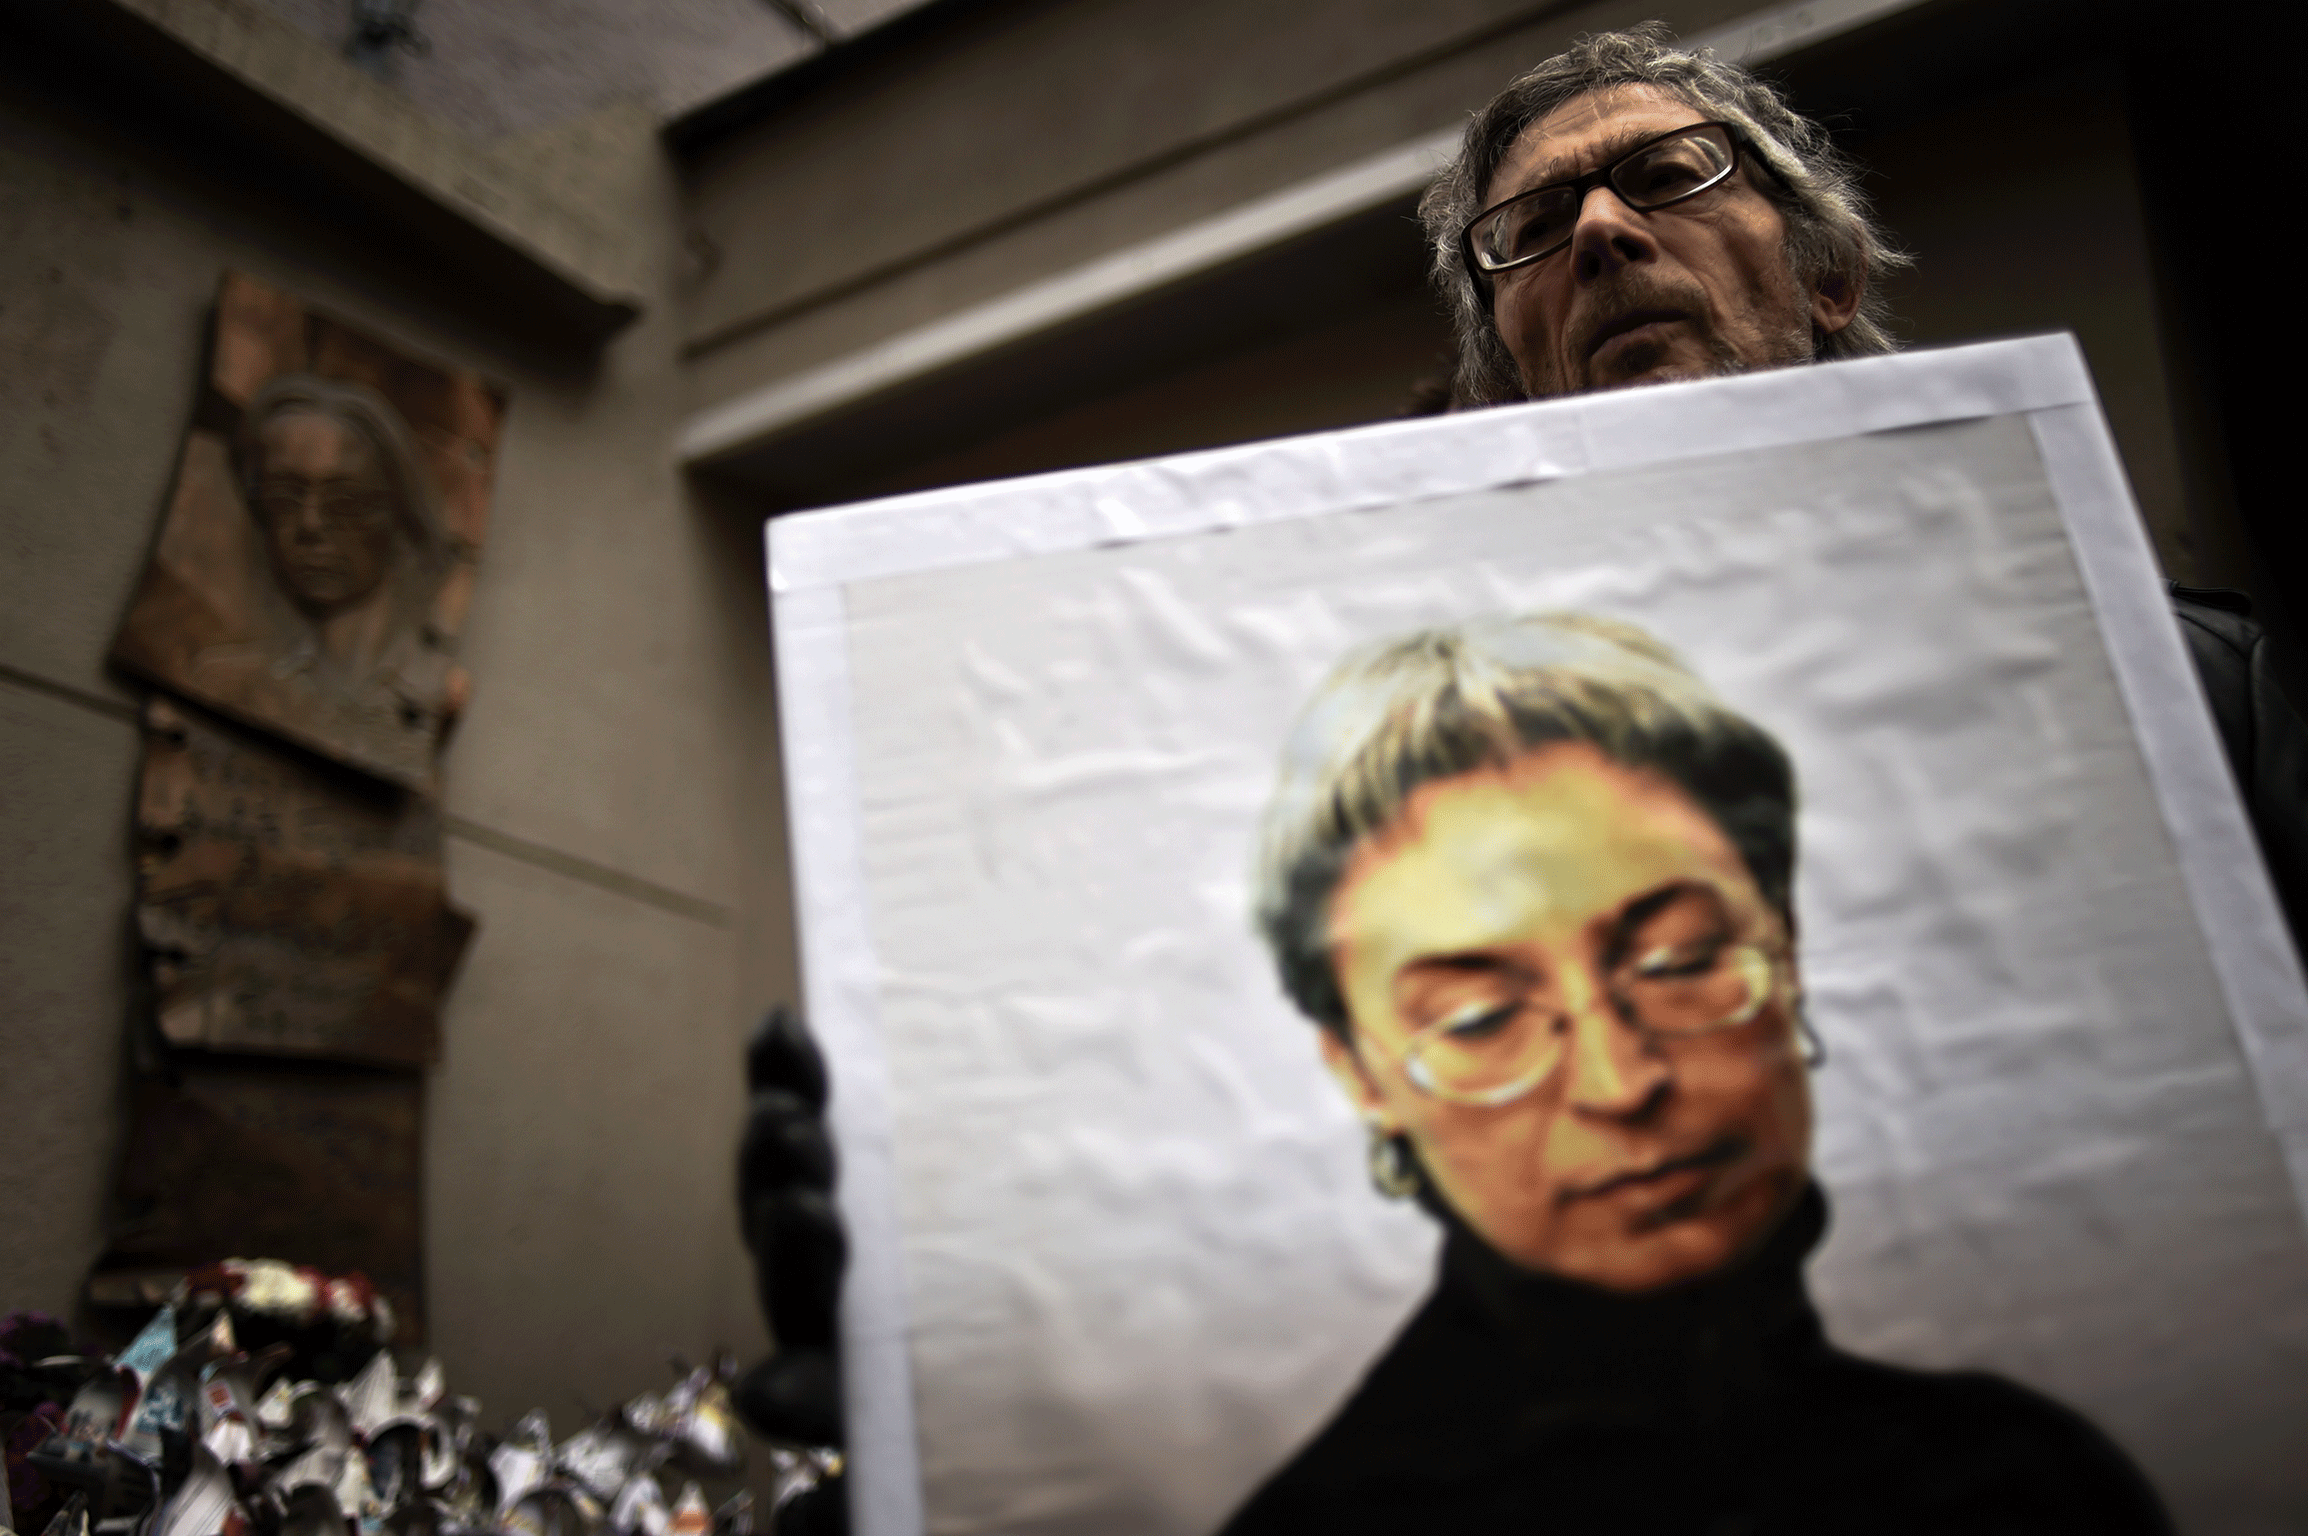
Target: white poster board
(1115, 1254)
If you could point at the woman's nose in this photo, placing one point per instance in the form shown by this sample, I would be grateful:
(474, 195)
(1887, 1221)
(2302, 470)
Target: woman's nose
(1612, 1069)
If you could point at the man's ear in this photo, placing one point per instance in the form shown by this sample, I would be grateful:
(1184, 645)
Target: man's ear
(1355, 1083)
(1835, 303)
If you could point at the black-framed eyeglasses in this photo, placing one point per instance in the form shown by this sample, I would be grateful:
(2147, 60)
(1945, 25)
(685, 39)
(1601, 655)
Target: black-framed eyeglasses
(1656, 173)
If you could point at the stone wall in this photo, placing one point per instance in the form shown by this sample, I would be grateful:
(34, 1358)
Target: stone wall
(614, 803)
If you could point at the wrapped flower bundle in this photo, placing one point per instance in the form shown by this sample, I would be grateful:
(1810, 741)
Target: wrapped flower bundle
(217, 1420)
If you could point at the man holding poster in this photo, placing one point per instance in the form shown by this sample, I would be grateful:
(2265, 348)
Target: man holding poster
(1115, 1263)
(1625, 214)
(1629, 213)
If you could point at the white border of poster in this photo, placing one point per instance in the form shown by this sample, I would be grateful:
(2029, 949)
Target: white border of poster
(812, 556)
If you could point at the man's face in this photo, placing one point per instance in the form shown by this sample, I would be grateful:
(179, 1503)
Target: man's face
(326, 511)
(1696, 288)
(1523, 898)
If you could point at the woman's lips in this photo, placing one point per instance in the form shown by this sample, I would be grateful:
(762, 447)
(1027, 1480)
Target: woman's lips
(1667, 1180)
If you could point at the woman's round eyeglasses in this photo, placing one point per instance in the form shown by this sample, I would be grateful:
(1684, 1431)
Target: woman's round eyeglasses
(1493, 1051)
(1655, 174)
(342, 507)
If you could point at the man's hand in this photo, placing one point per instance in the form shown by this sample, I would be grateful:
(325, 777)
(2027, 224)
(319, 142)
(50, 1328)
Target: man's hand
(785, 1174)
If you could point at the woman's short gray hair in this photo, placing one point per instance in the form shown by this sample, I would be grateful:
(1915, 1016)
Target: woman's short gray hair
(1830, 232)
(1443, 702)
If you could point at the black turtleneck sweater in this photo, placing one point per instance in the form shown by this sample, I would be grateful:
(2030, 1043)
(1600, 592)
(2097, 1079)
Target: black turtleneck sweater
(1522, 1403)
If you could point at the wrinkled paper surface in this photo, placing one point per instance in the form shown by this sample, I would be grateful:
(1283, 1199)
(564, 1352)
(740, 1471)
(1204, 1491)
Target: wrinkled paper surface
(1141, 1258)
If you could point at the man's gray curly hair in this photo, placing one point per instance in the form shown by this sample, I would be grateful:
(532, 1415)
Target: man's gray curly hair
(1829, 230)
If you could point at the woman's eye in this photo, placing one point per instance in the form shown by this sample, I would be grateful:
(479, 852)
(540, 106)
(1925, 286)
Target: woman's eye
(1669, 961)
(1479, 1021)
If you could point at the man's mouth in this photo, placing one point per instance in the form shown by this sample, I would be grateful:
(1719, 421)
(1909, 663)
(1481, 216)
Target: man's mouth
(1654, 1176)
(1633, 320)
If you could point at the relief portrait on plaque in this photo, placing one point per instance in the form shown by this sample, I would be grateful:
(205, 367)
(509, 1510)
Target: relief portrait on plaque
(299, 612)
(297, 619)
(317, 555)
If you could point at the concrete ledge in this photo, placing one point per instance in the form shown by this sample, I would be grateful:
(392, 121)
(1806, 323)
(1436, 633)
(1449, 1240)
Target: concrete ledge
(736, 432)
(289, 104)
(1131, 274)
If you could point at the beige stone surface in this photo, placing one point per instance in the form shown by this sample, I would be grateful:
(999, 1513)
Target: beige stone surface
(581, 1143)
(611, 636)
(1076, 131)
(67, 788)
(1013, 114)
(770, 307)
(1354, 370)
(312, 82)
(492, 68)
(1145, 207)
(620, 740)
(100, 337)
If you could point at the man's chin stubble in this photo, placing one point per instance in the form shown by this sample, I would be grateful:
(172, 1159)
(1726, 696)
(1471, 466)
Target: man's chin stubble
(1722, 361)
(1653, 363)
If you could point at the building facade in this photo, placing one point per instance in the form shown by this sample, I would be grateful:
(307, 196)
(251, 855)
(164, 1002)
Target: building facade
(767, 268)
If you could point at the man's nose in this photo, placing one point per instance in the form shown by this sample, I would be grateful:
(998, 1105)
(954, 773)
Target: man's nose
(1609, 236)
(1612, 1069)
(310, 521)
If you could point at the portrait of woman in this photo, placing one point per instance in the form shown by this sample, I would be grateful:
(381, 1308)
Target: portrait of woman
(309, 575)
(1532, 883)
(346, 515)
(348, 552)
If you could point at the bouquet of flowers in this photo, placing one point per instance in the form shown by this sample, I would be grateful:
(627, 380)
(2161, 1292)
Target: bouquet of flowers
(262, 1400)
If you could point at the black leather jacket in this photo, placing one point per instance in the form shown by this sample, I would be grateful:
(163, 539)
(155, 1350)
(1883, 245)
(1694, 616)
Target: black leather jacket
(2266, 740)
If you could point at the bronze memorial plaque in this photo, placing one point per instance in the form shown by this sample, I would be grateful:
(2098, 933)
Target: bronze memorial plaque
(316, 557)
(290, 907)
(298, 617)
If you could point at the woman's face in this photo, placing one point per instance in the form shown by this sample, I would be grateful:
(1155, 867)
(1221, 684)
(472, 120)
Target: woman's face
(1538, 902)
(326, 510)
